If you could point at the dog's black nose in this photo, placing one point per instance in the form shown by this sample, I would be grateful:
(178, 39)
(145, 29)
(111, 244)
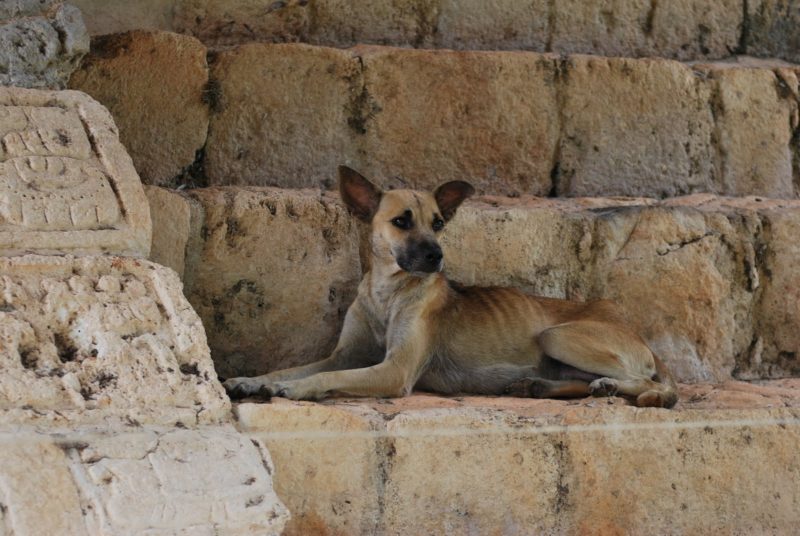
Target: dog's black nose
(434, 256)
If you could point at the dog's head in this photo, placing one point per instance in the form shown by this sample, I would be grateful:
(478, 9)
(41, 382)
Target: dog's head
(405, 223)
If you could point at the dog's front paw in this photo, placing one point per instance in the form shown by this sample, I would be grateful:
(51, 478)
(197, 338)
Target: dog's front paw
(295, 390)
(604, 387)
(239, 388)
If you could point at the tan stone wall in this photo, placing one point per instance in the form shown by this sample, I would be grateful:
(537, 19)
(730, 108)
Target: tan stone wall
(509, 122)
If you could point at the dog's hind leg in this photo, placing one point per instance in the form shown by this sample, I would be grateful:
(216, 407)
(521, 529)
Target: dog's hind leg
(624, 362)
(542, 388)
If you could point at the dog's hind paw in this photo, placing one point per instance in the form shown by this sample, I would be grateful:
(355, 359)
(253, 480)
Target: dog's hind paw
(529, 388)
(604, 387)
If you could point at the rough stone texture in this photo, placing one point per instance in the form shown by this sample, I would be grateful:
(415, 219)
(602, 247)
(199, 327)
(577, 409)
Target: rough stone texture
(494, 24)
(634, 127)
(148, 481)
(66, 182)
(772, 28)
(509, 122)
(96, 339)
(274, 275)
(241, 21)
(41, 43)
(683, 29)
(172, 215)
(116, 16)
(386, 22)
(756, 123)
(775, 350)
(708, 281)
(155, 84)
(432, 116)
(432, 465)
(275, 103)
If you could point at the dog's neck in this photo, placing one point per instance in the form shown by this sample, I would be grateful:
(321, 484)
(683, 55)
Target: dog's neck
(385, 280)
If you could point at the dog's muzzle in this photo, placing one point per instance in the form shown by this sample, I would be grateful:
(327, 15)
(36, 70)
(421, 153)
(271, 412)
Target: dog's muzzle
(425, 257)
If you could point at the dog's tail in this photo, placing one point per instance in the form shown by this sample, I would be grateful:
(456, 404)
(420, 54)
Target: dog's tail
(665, 394)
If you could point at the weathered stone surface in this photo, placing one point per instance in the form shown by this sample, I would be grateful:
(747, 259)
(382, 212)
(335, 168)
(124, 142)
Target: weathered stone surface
(352, 501)
(241, 21)
(37, 491)
(274, 276)
(426, 119)
(431, 465)
(283, 113)
(392, 22)
(756, 116)
(66, 182)
(772, 28)
(172, 215)
(634, 127)
(775, 350)
(155, 84)
(116, 16)
(41, 43)
(148, 481)
(101, 338)
(494, 24)
(683, 29)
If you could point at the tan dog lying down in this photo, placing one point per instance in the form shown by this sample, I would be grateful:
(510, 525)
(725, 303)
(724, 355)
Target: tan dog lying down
(410, 327)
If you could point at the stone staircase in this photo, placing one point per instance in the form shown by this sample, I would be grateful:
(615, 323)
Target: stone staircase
(643, 151)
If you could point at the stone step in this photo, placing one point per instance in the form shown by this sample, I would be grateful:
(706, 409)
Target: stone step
(710, 282)
(696, 29)
(724, 461)
(509, 122)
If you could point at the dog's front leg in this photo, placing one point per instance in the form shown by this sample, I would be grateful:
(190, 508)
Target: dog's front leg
(406, 356)
(357, 347)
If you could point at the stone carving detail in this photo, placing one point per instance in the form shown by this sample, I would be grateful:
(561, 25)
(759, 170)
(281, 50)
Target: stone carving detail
(66, 183)
(101, 338)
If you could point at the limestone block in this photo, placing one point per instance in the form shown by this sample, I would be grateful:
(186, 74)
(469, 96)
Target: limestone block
(41, 43)
(772, 29)
(273, 276)
(382, 22)
(66, 183)
(680, 29)
(206, 481)
(540, 245)
(471, 465)
(493, 25)
(155, 84)
(137, 481)
(634, 127)
(306, 439)
(96, 339)
(487, 117)
(116, 16)
(755, 114)
(37, 493)
(241, 21)
(282, 115)
(172, 215)
(775, 351)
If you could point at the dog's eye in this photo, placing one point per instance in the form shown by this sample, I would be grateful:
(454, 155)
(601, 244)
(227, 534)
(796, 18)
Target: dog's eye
(438, 224)
(402, 222)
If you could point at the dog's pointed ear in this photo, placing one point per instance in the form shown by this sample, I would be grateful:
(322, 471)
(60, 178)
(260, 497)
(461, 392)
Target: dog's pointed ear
(361, 196)
(450, 195)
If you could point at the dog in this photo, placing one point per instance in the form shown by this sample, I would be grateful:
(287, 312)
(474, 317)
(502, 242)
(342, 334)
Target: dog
(409, 327)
